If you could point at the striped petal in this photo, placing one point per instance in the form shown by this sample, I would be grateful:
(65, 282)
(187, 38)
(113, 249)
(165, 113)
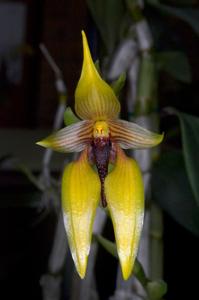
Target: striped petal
(132, 136)
(80, 197)
(94, 98)
(72, 138)
(125, 197)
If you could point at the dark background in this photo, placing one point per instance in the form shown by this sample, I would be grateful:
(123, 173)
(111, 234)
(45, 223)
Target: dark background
(25, 242)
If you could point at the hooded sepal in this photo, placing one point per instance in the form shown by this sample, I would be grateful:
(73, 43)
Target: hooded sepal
(94, 98)
(125, 197)
(80, 197)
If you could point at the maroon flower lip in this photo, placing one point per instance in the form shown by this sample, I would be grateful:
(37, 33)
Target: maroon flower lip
(101, 148)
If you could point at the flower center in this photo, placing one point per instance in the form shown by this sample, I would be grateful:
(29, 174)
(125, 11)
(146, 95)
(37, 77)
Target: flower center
(100, 129)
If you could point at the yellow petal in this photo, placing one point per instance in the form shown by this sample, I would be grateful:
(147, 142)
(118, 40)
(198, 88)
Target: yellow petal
(125, 197)
(72, 138)
(129, 135)
(80, 197)
(94, 98)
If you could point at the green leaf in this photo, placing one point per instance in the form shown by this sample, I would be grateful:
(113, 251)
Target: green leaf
(189, 15)
(112, 249)
(140, 274)
(108, 15)
(70, 117)
(118, 84)
(172, 191)
(175, 63)
(156, 289)
(108, 245)
(97, 65)
(190, 140)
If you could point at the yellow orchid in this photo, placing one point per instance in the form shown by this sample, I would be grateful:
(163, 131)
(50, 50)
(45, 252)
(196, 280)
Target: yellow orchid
(101, 136)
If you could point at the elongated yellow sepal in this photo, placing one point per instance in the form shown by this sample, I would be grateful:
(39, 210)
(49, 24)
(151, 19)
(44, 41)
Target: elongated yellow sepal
(80, 197)
(94, 98)
(125, 197)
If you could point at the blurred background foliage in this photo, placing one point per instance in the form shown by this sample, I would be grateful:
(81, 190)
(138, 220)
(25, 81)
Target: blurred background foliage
(174, 27)
(153, 68)
(172, 60)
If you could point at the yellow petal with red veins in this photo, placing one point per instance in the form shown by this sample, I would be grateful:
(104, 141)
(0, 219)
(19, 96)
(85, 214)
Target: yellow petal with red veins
(129, 135)
(80, 197)
(73, 138)
(94, 98)
(125, 197)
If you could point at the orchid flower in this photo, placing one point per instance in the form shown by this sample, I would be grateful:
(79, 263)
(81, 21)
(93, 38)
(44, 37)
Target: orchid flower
(100, 137)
